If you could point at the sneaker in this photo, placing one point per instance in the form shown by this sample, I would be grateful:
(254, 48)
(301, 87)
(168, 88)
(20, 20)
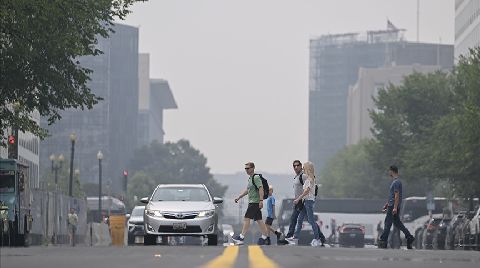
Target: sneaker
(261, 241)
(267, 241)
(314, 243)
(410, 242)
(382, 244)
(279, 235)
(291, 240)
(238, 240)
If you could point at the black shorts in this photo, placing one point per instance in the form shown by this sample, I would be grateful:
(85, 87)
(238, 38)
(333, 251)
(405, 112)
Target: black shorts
(269, 221)
(253, 212)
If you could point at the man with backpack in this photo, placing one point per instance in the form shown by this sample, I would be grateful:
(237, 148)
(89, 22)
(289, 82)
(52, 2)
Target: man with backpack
(257, 191)
(297, 191)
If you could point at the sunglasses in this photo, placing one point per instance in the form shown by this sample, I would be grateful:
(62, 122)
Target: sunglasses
(247, 168)
(297, 165)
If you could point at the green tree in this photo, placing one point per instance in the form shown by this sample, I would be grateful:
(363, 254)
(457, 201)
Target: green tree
(403, 123)
(351, 174)
(176, 162)
(455, 144)
(41, 42)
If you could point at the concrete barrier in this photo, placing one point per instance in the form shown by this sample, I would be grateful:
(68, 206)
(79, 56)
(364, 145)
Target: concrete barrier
(98, 234)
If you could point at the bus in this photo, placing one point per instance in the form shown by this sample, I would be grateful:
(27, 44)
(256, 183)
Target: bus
(15, 217)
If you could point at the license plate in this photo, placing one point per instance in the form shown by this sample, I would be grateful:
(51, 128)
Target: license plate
(180, 226)
(138, 239)
(353, 235)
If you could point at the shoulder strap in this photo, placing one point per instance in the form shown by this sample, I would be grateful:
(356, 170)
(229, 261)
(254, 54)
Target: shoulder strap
(253, 180)
(300, 178)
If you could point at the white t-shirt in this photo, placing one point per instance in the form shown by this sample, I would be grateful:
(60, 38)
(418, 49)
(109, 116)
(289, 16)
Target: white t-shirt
(307, 183)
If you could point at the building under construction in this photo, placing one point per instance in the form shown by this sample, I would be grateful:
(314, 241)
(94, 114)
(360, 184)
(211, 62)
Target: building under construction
(334, 64)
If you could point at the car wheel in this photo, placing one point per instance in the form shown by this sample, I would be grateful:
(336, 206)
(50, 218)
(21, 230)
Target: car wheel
(212, 240)
(149, 240)
(131, 239)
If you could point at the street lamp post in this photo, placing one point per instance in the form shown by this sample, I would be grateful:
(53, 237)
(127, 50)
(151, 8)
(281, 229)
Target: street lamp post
(73, 138)
(99, 157)
(56, 165)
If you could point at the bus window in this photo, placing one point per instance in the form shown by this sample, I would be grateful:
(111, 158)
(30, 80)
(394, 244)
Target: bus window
(7, 182)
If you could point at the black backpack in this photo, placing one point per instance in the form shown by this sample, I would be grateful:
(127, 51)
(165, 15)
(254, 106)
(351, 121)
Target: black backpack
(301, 181)
(266, 188)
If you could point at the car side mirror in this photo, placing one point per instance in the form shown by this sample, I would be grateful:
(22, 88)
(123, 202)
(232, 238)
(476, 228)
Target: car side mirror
(144, 200)
(127, 216)
(217, 200)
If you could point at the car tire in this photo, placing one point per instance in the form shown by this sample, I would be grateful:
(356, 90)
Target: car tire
(212, 240)
(149, 240)
(131, 240)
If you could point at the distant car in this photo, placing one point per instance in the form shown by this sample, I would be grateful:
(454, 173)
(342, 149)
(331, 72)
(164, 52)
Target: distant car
(475, 230)
(227, 231)
(136, 229)
(181, 210)
(452, 233)
(429, 231)
(440, 235)
(351, 234)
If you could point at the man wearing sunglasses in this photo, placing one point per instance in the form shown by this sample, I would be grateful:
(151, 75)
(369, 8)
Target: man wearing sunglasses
(255, 204)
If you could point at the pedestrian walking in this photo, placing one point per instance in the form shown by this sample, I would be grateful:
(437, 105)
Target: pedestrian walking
(255, 204)
(392, 208)
(297, 191)
(333, 228)
(72, 221)
(271, 215)
(307, 198)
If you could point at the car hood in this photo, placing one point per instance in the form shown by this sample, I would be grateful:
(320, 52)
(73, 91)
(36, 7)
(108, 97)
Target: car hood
(180, 206)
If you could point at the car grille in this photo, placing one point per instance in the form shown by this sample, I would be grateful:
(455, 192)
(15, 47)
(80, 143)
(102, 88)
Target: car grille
(189, 229)
(180, 216)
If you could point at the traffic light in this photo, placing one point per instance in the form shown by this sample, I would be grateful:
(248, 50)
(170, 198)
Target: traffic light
(125, 177)
(13, 145)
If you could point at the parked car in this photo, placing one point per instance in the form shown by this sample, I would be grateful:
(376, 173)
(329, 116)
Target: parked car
(227, 231)
(440, 235)
(451, 238)
(475, 230)
(135, 226)
(429, 231)
(351, 234)
(181, 210)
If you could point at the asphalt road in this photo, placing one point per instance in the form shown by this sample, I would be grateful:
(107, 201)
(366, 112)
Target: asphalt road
(232, 257)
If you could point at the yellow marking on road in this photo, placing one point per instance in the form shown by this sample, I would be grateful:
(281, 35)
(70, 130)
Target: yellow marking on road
(226, 260)
(258, 259)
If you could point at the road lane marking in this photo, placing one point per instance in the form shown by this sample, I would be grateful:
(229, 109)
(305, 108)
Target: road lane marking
(226, 260)
(258, 259)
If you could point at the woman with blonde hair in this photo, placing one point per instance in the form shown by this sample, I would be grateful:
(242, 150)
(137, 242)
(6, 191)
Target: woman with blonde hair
(308, 199)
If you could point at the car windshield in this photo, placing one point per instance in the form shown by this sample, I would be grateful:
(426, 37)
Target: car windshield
(138, 211)
(181, 194)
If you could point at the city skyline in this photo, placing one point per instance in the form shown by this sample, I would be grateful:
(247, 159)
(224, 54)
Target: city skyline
(220, 64)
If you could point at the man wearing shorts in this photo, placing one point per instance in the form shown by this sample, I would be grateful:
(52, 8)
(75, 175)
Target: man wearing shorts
(255, 204)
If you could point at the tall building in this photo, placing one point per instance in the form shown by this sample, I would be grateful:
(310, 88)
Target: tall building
(467, 26)
(28, 152)
(155, 96)
(111, 126)
(334, 64)
(360, 96)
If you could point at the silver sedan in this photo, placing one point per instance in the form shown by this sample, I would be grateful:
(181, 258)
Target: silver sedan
(181, 210)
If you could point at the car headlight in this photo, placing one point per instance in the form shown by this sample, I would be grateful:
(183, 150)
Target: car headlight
(206, 213)
(153, 213)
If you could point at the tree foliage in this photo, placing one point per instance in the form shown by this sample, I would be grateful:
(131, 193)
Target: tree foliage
(350, 174)
(41, 42)
(167, 163)
(430, 127)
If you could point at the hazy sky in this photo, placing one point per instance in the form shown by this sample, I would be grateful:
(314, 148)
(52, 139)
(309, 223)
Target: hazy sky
(239, 69)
